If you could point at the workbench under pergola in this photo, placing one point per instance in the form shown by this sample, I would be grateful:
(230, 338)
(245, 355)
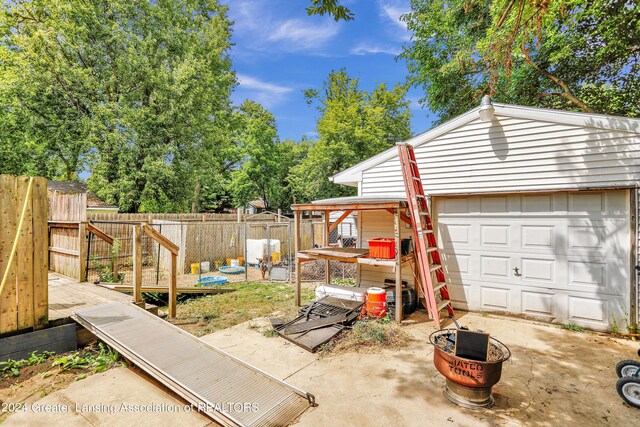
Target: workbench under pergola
(396, 208)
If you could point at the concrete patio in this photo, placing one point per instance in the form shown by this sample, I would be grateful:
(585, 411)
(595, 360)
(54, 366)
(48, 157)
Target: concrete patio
(555, 377)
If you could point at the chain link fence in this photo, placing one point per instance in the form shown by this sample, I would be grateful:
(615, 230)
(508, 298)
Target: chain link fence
(264, 250)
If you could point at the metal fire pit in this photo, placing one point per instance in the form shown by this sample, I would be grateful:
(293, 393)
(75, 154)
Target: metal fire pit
(469, 382)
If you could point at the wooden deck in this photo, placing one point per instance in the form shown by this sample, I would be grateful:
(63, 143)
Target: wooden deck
(67, 295)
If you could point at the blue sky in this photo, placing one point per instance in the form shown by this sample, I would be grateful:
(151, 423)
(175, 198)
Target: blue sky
(280, 51)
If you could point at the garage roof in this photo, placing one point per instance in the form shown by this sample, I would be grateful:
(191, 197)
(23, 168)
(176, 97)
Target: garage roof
(352, 176)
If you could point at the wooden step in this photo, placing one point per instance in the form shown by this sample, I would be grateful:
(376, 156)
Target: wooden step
(435, 267)
(443, 304)
(439, 286)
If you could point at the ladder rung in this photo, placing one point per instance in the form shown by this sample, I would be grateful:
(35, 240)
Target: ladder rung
(424, 213)
(433, 249)
(443, 304)
(415, 178)
(427, 231)
(439, 286)
(435, 267)
(413, 161)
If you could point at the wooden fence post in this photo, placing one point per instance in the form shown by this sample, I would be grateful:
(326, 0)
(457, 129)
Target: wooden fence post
(40, 253)
(137, 263)
(8, 226)
(82, 252)
(296, 222)
(173, 285)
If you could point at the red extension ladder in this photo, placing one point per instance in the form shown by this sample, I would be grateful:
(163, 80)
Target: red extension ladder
(428, 259)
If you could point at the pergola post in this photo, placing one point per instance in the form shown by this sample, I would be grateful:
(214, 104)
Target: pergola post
(326, 232)
(396, 234)
(137, 263)
(296, 240)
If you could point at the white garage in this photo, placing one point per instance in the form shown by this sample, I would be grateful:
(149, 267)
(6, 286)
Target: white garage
(536, 211)
(561, 257)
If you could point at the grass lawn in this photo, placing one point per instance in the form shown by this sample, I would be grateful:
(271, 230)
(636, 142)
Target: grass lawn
(206, 314)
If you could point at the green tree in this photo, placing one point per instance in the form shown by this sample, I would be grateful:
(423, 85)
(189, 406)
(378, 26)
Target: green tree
(258, 142)
(137, 91)
(266, 162)
(331, 8)
(354, 124)
(570, 54)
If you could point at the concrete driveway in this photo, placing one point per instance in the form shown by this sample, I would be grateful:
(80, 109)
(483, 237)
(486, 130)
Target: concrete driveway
(555, 377)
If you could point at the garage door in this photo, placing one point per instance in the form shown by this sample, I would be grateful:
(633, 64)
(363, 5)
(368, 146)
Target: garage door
(561, 257)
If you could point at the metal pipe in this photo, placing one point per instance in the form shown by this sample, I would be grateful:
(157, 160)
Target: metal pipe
(158, 263)
(269, 256)
(637, 254)
(246, 261)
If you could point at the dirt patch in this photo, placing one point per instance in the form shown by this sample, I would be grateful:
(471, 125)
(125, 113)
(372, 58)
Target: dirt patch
(54, 372)
(36, 382)
(368, 336)
(210, 313)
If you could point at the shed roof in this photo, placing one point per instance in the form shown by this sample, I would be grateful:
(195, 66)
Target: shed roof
(353, 203)
(66, 187)
(74, 187)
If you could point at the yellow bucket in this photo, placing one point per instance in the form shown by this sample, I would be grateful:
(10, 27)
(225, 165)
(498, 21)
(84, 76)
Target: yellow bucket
(241, 260)
(275, 257)
(195, 268)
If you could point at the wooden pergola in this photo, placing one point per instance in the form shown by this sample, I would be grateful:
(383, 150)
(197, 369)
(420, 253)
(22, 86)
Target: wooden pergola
(395, 206)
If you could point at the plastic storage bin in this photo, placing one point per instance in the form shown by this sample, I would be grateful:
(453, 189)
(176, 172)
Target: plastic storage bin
(382, 248)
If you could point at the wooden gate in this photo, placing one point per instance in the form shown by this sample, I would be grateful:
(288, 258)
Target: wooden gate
(23, 253)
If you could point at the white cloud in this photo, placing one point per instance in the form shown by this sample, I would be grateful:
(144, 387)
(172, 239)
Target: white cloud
(249, 82)
(298, 34)
(257, 29)
(393, 10)
(372, 49)
(266, 93)
(414, 103)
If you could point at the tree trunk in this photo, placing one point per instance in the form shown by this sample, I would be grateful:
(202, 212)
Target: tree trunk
(195, 203)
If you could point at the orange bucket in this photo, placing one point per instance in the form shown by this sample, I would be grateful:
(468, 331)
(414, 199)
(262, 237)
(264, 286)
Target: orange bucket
(376, 302)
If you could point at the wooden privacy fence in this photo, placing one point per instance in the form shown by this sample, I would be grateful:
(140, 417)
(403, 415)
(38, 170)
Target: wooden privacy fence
(183, 217)
(67, 225)
(23, 253)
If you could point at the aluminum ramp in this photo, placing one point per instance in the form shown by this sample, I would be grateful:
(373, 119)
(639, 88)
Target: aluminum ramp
(228, 390)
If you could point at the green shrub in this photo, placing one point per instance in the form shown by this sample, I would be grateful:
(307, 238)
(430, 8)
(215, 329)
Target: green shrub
(14, 366)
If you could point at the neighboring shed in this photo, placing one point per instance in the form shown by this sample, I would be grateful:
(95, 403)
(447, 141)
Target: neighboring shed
(256, 207)
(536, 211)
(94, 205)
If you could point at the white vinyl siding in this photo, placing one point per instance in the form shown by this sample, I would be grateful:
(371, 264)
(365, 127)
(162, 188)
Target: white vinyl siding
(375, 224)
(516, 154)
(560, 257)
